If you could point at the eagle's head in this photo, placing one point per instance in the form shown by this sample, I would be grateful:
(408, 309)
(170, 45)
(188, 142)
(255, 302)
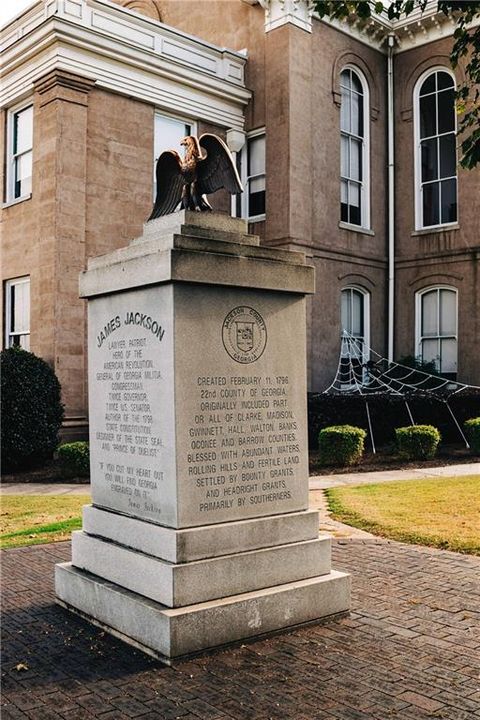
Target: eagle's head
(191, 145)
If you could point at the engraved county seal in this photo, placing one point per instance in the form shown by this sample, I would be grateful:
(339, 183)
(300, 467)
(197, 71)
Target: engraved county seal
(244, 334)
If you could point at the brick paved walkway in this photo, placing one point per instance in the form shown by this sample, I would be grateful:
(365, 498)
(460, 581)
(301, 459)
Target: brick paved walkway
(410, 650)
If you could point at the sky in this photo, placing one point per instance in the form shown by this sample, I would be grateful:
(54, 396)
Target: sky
(10, 8)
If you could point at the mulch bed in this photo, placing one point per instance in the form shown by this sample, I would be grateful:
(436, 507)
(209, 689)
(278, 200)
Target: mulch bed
(48, 473)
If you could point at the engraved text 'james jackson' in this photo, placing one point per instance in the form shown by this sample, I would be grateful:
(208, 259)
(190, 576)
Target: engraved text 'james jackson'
(131, 318)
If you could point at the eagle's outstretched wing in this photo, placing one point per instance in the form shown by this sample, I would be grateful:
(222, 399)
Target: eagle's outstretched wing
(169, 184)
(217, 170)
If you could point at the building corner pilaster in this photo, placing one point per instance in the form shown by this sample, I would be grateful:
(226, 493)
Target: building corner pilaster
(60, 180)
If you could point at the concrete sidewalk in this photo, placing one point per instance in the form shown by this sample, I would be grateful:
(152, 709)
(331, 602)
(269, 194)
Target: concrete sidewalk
(321, 482)
(45, 489)
(317, 482)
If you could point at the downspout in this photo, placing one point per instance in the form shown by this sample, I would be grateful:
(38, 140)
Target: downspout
(391, 199)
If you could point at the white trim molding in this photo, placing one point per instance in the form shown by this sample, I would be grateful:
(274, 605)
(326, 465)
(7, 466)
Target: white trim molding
(126, 53)
(284, 12)
(419, 28)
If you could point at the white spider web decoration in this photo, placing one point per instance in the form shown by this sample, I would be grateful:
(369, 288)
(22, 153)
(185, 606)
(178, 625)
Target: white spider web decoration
(362, 371)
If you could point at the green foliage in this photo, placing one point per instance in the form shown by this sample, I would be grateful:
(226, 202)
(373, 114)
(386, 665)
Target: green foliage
(417, 442)
(466, 45)
(74, 459)
(31, 409)
(51, 532)
(472, 430)
(33, 519)
(341, 445)
(429, 367)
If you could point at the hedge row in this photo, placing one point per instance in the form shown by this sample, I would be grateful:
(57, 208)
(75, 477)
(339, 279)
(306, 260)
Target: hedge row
(343, 445)
(388, 413)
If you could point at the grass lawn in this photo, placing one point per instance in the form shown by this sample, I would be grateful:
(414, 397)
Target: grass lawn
(34, 519)
(443, 512)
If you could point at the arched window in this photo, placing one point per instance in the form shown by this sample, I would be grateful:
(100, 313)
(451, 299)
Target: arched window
(354, 151)
(436, 328)
(436, 154)
(355, 315)
(355, 320)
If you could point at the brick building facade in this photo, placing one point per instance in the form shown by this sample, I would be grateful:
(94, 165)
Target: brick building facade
(93, 90)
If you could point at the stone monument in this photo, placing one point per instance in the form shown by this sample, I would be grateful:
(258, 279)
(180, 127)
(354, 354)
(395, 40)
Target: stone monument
(199, 532)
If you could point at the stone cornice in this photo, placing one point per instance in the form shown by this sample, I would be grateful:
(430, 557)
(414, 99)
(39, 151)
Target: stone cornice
(413, 31)
(417, 29)
(126, 53)
(410, 32)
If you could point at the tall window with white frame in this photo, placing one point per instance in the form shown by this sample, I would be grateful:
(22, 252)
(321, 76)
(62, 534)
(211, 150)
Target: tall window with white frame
(19, 153)
(436, 160)
(17, 313)
(436, 324)
(251, 168)
(354, 169)
(355, 320)
(168, 132)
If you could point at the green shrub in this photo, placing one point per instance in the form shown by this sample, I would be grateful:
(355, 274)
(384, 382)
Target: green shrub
(341, 444)
(417, 442)
(31, 409)
(74, 459)
(472, 430)
(428, 366)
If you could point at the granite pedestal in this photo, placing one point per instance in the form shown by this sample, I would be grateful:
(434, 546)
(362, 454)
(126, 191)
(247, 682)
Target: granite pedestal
(199, 532)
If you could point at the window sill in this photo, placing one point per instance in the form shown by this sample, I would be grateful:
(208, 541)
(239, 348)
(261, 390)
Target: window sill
(9, 203)
(255, 219)
(435, 229)
(355, 228)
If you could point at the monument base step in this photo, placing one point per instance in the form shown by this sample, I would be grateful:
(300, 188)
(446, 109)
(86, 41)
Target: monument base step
(172, 634)
(205, 541)
(185, 584)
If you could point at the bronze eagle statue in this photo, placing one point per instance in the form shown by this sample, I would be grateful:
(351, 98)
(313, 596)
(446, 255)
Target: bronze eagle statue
(207, 167)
